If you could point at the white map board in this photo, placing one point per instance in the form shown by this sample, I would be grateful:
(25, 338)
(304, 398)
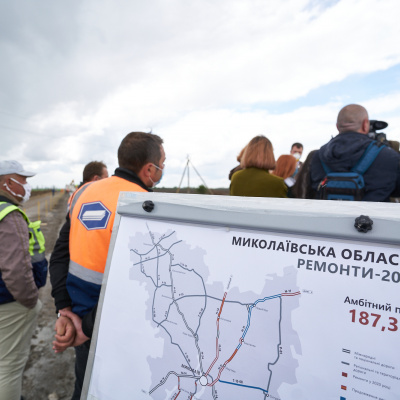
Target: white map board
(210, 311)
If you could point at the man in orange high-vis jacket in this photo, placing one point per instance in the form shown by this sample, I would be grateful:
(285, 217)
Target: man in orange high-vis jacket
(141, 160)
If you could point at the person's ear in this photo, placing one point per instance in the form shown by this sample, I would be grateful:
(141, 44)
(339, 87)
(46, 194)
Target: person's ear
(365, 126)
(148, 169)
(10, 183)
(144, 173)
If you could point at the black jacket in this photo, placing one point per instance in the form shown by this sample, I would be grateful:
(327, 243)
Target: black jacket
(341, 153)
(59, 262)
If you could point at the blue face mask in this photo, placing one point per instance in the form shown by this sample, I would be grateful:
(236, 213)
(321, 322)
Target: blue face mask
(162, 174)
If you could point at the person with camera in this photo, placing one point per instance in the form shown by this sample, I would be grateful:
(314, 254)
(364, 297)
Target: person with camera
(342, 153)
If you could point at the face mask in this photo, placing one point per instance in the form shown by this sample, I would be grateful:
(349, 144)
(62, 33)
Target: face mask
(297, 156)
(27, 187)
(154, 184)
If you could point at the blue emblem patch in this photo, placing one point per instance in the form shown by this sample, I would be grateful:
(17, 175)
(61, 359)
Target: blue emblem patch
(94, 215)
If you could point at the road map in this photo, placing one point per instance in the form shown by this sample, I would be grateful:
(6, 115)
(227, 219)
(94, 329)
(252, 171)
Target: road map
(215, 313)
(218, 341)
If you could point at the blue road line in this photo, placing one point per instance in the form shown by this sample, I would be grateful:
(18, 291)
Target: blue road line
(250, 387)
(249, 315)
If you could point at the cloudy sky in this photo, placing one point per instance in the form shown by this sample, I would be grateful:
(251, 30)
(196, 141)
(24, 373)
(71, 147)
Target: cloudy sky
(207, 76)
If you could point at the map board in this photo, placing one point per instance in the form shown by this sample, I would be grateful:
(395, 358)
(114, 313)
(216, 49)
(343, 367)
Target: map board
(226, 299)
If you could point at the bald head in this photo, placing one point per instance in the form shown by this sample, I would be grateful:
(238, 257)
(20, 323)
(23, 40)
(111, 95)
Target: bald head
(353, 118)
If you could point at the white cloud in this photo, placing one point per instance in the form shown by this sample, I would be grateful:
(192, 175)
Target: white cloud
(196, 73)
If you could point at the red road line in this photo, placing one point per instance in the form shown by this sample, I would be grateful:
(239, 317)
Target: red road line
(215, 359)
(177, 395)
(290, 294)
(223, 367)
(222, 304)
(233, 355)
(179, 383)
(217, 348)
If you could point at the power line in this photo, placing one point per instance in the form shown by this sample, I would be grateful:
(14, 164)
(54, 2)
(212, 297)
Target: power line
(25, 131)
(13, 115)
(80, 138)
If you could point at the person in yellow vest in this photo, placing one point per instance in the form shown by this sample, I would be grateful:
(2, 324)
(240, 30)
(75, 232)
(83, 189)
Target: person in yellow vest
(23, 270)
(141, 160)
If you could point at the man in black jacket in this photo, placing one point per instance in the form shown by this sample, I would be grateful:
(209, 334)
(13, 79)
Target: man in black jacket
(340, 154)
(141, 162)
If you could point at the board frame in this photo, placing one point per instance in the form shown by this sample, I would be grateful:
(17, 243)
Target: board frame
(313, 218)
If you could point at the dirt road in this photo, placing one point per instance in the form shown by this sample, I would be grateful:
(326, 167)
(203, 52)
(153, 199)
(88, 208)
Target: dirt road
(48, 376)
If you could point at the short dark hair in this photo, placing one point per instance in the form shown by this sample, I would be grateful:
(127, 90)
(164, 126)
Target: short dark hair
(138, 149)
(296, 145)
(92, 169)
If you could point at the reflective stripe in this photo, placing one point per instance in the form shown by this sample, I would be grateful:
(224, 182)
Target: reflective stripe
(77, 195)
(36, 239)
(85, 274)
(6, 208)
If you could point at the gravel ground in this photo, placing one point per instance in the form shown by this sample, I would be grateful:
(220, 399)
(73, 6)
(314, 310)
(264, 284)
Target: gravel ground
(48, 376)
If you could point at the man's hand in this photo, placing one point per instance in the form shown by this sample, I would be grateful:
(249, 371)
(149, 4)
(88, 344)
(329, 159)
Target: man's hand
(65, 333)
(80, 337)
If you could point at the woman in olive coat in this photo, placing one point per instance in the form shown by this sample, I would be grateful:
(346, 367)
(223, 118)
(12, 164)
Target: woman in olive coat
(254, 179)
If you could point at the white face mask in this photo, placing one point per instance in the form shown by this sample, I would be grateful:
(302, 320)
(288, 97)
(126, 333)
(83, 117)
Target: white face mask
(297, 156)
(27, 187)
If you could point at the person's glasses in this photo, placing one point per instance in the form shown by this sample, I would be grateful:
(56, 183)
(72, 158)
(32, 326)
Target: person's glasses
(163, 165)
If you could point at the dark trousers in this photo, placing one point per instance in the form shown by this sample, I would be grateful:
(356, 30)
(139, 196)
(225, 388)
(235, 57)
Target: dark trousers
(82, 353)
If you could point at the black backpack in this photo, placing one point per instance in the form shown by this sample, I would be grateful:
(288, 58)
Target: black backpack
(348, 185)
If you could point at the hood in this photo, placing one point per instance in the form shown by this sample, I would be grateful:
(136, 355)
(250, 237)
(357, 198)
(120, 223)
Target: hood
(344, 150)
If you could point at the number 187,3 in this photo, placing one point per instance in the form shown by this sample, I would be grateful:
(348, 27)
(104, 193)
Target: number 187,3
(365, 318)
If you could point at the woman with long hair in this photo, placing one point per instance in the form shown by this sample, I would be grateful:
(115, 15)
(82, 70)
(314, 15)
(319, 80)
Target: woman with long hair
(254, 179)
(285, 167)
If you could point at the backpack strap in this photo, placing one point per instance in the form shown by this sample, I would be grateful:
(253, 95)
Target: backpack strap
(369, 156)
(324, 166)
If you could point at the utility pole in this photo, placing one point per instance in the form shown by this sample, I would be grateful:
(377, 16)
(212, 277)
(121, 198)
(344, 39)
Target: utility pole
(186, 170)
